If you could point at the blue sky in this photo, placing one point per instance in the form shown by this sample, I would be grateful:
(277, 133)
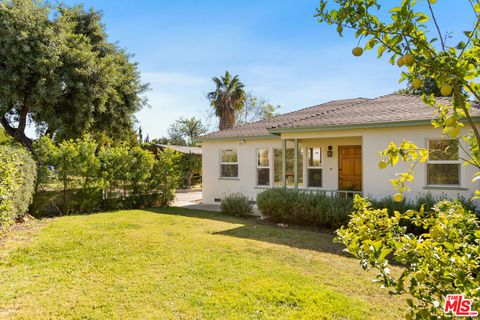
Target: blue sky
(277, 48)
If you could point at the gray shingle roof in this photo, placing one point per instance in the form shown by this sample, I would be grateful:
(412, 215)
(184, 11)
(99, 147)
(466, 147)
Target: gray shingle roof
(260, 128)
(181, 149)
(393, 108)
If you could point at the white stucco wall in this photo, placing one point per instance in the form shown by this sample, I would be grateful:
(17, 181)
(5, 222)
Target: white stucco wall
(375, 181)
(215, 187)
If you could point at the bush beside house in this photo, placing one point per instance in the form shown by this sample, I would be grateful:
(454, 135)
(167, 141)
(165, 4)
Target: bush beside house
(320, 210)
(290, 206)
(237, 204)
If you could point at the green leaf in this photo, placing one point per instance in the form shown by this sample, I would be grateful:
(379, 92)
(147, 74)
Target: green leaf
(381, 50)
(461, 45)
(422, 18)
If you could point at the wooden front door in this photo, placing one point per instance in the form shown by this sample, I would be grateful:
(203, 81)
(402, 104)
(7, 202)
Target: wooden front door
(350, 168)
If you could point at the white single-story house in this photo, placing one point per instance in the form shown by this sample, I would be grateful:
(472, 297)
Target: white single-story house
(335, 146)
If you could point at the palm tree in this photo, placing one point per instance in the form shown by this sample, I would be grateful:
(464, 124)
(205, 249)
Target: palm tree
(227, 99)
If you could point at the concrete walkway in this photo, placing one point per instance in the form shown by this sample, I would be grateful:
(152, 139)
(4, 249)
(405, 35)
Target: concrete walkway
(192, 199)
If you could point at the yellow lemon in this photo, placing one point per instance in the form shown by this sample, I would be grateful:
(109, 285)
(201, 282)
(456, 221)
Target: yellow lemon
(416, 83)
(398, 197)
(450, 122)
(408, 59)
(452, 132)
(400, 62)
(420, 276)
(357, 51)
(382, 164)
(446, 90)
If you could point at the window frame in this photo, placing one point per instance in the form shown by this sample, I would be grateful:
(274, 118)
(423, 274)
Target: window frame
(258, 166)
(309, 167)
(301, 158)
(457, 162)
(228, 163)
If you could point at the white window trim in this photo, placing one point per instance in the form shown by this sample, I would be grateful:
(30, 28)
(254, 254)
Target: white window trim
(457, 162)
(308, 167)
(228, 163)
(269, 167)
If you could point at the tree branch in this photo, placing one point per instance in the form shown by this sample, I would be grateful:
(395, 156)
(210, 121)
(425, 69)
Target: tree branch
(461, 103)
(15, 133)
(22, 121)
(436, 25)
(477, 96)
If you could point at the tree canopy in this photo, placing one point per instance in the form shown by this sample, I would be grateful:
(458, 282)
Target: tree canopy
(255, 109)
(186, 130)
(59, 72)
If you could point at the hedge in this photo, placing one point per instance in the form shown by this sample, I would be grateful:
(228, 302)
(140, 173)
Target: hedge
(79, 176)
(290, 206)
(320, 210)
(17, 183)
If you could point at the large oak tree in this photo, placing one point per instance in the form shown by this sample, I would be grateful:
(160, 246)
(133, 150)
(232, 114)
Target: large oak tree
(59, 73)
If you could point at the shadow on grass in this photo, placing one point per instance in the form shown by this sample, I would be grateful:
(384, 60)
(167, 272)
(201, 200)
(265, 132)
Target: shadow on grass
(254, 229)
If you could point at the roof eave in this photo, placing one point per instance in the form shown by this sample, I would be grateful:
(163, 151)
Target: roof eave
(351, 126)
(360, 126)
(265, 136)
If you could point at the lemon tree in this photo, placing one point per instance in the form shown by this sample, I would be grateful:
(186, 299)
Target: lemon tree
(444, 257)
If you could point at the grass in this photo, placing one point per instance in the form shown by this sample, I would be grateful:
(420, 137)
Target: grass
(182, 264)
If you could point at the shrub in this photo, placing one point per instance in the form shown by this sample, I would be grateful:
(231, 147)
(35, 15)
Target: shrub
(236, 204)
(191, 167)
(17, 183)
(139, 170)
(427, 200)
(165, 178)
(444, 259)
(113, 178)
(290, 206)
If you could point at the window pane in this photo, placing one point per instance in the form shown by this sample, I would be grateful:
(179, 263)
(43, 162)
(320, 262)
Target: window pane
(263, 158)
(314, 157)
(277, 167)
(443, 149)
(263, 177)
(443, 174)
(314, 177)
(289, 176)
(229, 170)
(229, 156)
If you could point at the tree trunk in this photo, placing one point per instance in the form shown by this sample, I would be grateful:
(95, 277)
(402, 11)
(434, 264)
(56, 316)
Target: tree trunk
(18, 133)
(227, 119)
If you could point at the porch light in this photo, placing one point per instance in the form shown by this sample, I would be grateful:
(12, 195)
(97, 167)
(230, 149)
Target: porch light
(330, 152)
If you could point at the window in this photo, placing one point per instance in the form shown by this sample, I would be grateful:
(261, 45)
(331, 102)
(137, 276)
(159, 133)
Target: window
(263, 167)
(228, 164)
(314, 167)
(289, 176)
(443, 166)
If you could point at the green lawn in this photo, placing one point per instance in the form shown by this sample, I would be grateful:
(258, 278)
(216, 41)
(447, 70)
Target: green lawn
(181, 264)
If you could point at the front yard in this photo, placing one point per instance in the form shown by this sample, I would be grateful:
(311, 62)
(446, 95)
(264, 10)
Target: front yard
(181, 264)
